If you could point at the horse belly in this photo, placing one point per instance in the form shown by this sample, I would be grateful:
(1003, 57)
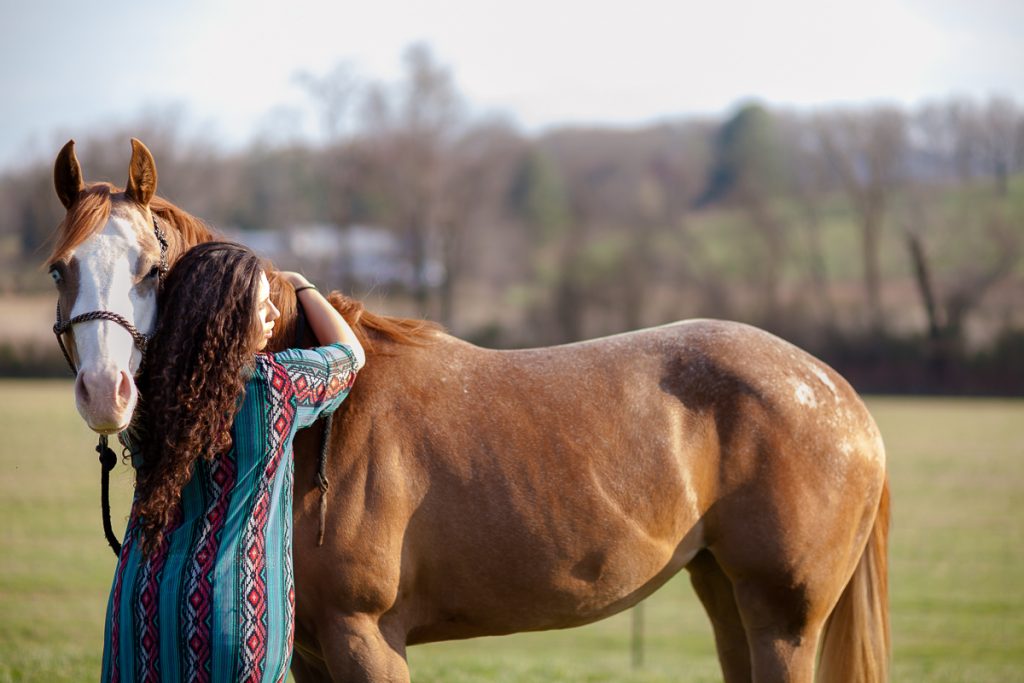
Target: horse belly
(521, 565)
(558, 510)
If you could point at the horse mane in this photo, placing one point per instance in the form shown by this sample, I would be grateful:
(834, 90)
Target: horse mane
(190, 230)
(91, 210)
(370, 327)
(374, 330)
(84, 219)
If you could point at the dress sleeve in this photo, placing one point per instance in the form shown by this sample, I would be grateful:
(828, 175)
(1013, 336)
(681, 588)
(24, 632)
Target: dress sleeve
(321, 377)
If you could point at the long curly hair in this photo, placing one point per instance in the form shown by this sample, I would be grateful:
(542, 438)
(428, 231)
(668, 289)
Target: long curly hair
(196, 366)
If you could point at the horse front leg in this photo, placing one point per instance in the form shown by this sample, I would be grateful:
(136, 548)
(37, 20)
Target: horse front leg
(308, 664)
(356, 650)
(350, 649)
(307, 668)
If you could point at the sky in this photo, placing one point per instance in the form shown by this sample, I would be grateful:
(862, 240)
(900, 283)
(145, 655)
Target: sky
(70, 68)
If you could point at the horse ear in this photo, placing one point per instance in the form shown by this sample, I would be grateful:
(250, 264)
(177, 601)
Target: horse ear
(67, 175)
(141, 175)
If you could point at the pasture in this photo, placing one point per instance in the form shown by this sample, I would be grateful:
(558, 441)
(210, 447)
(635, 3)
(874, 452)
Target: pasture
(956, 559)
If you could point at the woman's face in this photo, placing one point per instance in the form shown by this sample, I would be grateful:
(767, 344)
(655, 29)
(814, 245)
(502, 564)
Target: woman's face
(266, 312)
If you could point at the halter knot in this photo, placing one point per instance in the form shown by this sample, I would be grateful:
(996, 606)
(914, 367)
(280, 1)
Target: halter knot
(108, 459)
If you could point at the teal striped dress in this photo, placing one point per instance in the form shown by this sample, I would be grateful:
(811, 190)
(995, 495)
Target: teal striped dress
(216, 601)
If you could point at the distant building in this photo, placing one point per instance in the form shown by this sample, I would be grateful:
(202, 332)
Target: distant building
(375, 255)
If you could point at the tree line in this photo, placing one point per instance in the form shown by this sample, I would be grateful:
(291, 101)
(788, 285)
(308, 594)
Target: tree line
(886, 239)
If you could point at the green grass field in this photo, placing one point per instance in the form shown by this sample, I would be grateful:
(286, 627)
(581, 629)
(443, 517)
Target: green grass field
(956, 559)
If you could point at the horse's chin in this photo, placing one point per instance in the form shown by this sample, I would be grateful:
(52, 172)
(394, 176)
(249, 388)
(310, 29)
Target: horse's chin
(104, 431)
(108, 424)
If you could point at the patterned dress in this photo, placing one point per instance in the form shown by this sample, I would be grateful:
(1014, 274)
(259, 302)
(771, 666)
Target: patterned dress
(216, 601)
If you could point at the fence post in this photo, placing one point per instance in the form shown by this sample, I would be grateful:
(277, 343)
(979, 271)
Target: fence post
(638, 636)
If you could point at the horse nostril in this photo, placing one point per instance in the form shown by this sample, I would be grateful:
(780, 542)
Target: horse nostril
(124, 388)
(81, 390)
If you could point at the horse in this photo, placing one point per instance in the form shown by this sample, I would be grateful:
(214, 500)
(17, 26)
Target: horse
(479, 492)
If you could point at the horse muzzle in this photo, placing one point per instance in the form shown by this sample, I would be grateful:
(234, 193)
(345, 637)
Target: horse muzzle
(105, 399)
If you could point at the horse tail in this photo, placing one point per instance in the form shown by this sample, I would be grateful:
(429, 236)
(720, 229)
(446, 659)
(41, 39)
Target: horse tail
(855, 642)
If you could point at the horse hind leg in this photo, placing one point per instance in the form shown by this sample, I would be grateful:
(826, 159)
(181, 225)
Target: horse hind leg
(766, 627)
(715, 591)
(782, 628)
(784, 597)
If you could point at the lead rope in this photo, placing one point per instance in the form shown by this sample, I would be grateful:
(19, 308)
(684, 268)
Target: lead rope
(321, 477)
(107, 461)
(322, 482)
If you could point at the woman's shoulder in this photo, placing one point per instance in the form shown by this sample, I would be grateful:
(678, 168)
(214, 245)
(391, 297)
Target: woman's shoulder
(263, 368)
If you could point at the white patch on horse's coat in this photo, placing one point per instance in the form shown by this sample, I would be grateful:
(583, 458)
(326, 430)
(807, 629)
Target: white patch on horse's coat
(820, 374)
(805, 395)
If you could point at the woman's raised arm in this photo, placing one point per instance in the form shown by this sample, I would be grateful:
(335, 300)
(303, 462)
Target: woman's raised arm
(328, 325)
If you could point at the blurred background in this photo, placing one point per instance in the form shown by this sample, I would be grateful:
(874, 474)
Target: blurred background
(848, 175)
(845, 175)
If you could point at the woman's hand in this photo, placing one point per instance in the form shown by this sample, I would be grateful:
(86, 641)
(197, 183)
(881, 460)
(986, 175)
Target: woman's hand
(296, 280)
(327, 323)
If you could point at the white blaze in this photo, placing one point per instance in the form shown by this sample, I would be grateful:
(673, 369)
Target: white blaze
(106, 278)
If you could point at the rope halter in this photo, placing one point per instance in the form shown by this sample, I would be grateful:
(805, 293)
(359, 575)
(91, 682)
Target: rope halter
(140, 340)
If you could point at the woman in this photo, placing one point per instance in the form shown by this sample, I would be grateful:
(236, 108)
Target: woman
(203, 587)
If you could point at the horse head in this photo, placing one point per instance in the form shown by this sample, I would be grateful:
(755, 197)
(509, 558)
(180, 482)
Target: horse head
(108, 257)
(107, 260)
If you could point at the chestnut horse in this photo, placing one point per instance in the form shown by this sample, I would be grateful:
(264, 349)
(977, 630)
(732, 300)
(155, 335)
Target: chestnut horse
(477, 492)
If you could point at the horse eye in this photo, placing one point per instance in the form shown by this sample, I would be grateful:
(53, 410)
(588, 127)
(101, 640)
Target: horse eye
(153, 272)
(55, 274)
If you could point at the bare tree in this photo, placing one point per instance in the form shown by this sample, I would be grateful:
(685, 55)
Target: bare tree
(950, 133)
(950, 297)
(1001, 128)
(868, 151)
(481, 167)
(29, 210)
(411, 131)
(810, 185)
(678, 171)
(335, 94)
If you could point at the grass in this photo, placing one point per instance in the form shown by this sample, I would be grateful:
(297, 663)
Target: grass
(957, 557)
(956, 560)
